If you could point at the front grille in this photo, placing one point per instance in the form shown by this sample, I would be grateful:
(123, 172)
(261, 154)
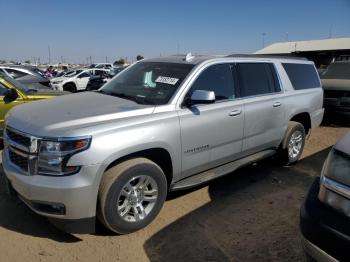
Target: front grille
(18, 138)
(19, 160)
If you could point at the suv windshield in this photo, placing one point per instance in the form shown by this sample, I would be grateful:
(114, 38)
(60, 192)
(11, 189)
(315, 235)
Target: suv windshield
(338, 70)
(152, 83)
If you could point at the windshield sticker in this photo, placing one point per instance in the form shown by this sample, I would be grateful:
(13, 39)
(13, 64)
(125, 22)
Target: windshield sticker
(147, 80)
(167, 80)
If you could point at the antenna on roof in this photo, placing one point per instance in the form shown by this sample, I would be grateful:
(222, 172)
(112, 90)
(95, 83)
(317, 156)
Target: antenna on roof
(189, 57)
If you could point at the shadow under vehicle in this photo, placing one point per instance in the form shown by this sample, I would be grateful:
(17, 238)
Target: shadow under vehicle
(252, 216)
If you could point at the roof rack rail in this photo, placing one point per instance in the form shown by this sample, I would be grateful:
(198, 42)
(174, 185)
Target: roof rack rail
(267, 56)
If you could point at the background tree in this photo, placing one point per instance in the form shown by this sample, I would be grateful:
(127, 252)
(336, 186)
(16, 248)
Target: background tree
(119, 62)
(139, 57)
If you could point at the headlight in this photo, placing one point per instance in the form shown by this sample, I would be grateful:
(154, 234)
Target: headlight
(57, 82)
(54, 155)
(337, 167)
(335, 178)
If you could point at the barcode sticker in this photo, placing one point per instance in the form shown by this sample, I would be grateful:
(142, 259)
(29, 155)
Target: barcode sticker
(167, 80)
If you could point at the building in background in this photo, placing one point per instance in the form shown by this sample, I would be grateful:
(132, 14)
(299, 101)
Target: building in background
(322, 52)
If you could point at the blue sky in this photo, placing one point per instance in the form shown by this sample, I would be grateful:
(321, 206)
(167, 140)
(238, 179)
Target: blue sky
(77, 29)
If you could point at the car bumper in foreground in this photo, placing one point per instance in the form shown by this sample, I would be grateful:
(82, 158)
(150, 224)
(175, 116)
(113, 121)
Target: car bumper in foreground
(326, 233)
(69, 202)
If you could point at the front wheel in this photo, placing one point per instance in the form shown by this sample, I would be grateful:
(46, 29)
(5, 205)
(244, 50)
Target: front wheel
(293, 143)
(131, 195)
(70, 87)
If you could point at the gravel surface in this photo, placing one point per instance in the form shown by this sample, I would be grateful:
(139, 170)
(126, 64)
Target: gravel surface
(249, 215)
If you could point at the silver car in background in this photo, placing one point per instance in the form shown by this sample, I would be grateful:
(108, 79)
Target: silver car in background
(31, 77)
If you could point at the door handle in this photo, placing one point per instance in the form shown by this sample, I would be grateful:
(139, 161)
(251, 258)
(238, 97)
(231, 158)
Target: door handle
(235, 113)
(277, 104)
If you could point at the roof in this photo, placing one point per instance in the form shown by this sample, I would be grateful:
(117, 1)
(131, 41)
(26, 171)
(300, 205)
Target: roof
(266, 56)
(181, 59)
(307, 46)
(197, 59)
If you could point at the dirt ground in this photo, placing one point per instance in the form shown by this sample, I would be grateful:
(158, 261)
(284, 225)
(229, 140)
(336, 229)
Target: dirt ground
(249, 215)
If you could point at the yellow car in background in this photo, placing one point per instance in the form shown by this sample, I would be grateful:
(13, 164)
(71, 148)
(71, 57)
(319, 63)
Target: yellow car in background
(13, 93)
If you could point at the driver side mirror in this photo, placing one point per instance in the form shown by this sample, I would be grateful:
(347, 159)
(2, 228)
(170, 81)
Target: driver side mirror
(10, 95)
(201, 97)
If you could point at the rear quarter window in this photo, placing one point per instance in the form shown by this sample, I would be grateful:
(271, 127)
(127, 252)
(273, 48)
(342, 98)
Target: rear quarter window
(302, 76)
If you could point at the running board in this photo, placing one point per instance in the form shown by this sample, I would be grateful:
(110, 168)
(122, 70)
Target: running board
(220, 171)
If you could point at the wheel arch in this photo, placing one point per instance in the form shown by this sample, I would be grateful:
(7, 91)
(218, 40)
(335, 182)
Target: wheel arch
(69, 83)
(158, 155)
(303, 118)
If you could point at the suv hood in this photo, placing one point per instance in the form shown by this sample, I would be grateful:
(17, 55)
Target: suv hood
(336, 84)
(58, 117)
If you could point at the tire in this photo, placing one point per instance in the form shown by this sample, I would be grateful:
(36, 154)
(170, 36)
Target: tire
(122, 194)
(295, 131)
(70, 88)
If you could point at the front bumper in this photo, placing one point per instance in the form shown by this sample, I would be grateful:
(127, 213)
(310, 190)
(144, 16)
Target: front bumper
(65, 200)
(326, 233)
(58, 87)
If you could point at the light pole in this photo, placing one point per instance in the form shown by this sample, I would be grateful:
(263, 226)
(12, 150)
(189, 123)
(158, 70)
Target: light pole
(49, 55)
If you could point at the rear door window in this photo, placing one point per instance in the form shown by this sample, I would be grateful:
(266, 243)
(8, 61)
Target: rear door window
(302, 76)
(84, 74)
(99, 72)
(257, 79)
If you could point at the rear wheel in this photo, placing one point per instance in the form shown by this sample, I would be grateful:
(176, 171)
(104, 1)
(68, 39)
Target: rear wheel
(293, 143)
(131, 195)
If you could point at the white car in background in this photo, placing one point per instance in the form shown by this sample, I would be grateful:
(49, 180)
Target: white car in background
(76, 80)
(108, 66)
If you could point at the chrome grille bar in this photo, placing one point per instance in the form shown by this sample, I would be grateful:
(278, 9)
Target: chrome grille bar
(22, 149)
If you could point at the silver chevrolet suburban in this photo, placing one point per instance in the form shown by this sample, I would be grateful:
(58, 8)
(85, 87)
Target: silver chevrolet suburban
(162, 124)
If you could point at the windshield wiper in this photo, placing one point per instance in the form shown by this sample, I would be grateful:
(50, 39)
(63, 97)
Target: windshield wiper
(137, 99)
(120, 95)
(128, 97)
